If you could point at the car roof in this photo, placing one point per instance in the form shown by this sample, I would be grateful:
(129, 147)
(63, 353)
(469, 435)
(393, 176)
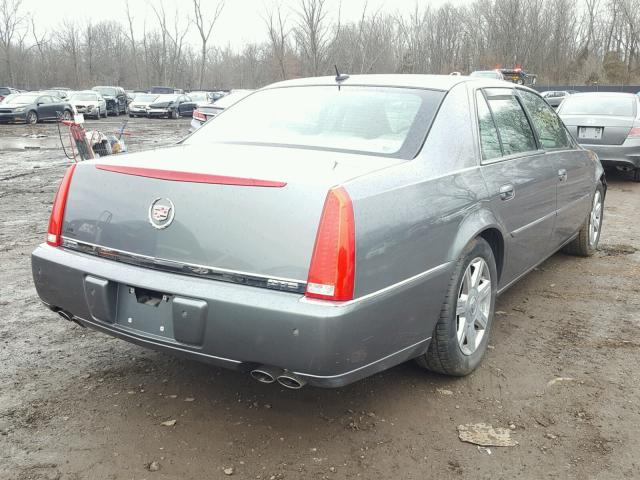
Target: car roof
(433, 82)
(605, 94)
(429, 82)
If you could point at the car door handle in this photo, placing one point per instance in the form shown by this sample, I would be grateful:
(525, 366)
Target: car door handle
(507, 192)
(562, 175)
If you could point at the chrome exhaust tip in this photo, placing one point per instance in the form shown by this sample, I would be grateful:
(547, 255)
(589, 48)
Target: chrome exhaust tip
(292, 381)
(265, 374)
(68, 316)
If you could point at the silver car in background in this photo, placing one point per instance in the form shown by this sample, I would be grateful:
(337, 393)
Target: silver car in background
(206, 111)
(139, 106)
(608, 123)
(324, 229)
(555, 97)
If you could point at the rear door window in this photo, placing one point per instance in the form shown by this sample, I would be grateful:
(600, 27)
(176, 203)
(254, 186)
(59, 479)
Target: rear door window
(489, 139)
(550, 129)
(513, 126)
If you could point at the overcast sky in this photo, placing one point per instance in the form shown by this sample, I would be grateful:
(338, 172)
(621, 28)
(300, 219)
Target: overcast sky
(240, 22)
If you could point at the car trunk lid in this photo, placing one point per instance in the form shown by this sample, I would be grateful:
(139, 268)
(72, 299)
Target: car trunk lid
(613, 130)
(248, 211)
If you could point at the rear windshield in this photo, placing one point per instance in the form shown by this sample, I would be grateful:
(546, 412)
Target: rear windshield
(372, 120)
(592, 105)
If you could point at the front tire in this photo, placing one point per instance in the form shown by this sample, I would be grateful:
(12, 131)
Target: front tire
(461, 335)
(586, 243)
(174, 114)
(66, 115)
(32, 117)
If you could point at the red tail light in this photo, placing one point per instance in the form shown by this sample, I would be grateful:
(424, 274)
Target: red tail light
(57, 212)
(198, 115)
(332, 270)
(634, 133)
(1, 98)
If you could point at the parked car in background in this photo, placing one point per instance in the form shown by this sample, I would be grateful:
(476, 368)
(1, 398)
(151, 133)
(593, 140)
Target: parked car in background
(6, 91)
(608, 123)
(200, 97)
(171, 106)
(206, 111)
(61, 94)
(34, 107)
(315, 234)
(165, 90)
(140, 104)
(494, 74)
(555, 97)
(115, 97)
(90, 103)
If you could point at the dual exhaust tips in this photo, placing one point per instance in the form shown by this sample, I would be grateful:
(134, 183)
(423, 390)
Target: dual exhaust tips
(262, 374)
(266, 374)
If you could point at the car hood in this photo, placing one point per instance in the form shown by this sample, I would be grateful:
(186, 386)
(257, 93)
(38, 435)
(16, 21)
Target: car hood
(85, 102)
(160, 105)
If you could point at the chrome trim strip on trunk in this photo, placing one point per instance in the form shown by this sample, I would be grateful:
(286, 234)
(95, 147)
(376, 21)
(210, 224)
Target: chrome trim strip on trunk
(194, 270)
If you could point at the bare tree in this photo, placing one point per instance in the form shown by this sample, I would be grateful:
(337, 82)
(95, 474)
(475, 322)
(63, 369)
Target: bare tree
(313, 34)
(278, 33)
(12, 22)
(204, 29)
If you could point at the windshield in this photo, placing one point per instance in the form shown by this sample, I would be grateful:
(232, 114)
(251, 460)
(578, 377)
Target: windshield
(22, 99)
(107, 91)
(599, 105)
(378, 120)
(166, 98)
(145, 97)
(85, 97)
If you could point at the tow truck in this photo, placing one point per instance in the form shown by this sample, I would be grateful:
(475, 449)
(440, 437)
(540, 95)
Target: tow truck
(519, 76)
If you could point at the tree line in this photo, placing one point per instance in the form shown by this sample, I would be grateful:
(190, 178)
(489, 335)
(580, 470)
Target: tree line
(562, 41)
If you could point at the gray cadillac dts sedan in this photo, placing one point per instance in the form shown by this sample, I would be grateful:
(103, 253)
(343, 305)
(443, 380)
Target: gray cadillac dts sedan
(324, 229)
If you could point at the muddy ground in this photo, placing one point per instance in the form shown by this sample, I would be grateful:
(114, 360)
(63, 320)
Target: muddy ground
(77, 404)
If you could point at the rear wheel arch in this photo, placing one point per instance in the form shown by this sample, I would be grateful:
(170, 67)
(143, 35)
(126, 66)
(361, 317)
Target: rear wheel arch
(481, 224)
(494, 238)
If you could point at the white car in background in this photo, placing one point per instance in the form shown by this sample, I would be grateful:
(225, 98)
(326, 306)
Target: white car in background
(206, 111)
(140, 104)
(89, 103)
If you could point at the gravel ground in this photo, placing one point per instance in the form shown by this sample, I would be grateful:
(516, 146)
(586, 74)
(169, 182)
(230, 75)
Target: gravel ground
(77, 404)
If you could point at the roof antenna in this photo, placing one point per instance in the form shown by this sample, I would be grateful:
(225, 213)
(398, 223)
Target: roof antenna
(340, 77)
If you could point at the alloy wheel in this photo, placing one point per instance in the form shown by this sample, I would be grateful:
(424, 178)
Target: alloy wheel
(595, 219)
(473, 306)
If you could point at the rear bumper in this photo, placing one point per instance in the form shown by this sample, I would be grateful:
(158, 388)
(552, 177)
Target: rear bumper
(626, 155)
(329, 345)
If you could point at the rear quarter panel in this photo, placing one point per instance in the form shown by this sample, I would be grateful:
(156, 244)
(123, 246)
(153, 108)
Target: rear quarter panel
(411, 218)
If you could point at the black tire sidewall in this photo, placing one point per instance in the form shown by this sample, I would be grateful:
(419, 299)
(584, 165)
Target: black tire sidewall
(460, 363)
(29, 114)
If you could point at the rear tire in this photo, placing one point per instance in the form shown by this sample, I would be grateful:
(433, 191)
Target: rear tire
(461, 335)
(586, 243)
